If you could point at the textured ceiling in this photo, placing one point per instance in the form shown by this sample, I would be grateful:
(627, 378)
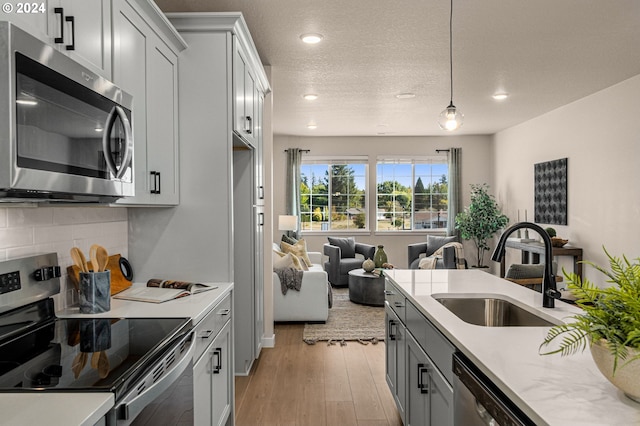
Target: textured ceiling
(544, 53)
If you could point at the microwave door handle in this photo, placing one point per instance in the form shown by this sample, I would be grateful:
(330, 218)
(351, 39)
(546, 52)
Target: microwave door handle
(117, 112)
(128, 146)
(133, 403)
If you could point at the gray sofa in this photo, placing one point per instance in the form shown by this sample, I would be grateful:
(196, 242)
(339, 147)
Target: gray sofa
(345, 255)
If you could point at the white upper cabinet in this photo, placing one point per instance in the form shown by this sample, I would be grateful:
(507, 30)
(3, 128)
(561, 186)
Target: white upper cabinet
(146, 66)
(78, 28)
(245, 122)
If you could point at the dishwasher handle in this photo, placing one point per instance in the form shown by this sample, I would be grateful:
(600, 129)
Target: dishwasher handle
(168, 369)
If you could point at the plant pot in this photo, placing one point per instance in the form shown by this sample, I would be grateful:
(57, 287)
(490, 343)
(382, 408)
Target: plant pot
(626, 375)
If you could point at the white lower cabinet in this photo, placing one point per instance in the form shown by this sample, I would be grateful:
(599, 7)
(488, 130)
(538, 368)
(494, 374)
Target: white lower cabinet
(213, 372)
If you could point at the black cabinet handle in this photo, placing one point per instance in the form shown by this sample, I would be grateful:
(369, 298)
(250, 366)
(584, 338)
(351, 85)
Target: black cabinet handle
(155, 188)
(424, 388)
(72, 19)
(248, 125)
(59, 11)
(392, 335)
(218, 367)
(260, 219)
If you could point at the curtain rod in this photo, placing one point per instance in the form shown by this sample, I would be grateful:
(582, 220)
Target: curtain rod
(302, 150)
(443, 150)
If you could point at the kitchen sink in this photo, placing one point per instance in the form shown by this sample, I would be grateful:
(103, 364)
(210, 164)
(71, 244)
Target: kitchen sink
(492, 311)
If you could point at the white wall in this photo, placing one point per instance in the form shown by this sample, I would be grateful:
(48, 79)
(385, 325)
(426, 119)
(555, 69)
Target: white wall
(25, 231)
(477, 167)
(600, 136)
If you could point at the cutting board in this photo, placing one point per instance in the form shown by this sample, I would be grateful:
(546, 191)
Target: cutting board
(118, 281)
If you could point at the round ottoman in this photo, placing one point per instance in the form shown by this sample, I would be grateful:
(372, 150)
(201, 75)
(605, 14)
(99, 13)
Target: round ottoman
(366, 288)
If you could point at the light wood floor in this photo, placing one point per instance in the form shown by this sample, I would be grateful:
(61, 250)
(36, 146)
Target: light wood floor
(299, 384)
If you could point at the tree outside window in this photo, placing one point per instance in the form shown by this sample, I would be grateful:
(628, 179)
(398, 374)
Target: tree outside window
(333, 196)
(412, 194)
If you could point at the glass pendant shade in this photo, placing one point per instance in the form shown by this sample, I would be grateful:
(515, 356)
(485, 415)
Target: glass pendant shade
(450, 119)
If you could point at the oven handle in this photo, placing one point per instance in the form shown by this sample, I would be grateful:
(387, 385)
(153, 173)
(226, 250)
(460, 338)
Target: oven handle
(134, 402)
(117, 112)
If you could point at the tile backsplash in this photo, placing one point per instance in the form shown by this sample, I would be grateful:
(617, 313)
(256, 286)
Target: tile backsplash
(25, 231)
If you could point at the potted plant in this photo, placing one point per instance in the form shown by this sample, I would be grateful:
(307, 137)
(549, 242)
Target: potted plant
(481, 220)
(609, 325)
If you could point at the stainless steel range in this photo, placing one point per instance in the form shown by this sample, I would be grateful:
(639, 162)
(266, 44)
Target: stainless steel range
(142, 361)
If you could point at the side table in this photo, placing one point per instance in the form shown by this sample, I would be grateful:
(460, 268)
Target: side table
(366, 288)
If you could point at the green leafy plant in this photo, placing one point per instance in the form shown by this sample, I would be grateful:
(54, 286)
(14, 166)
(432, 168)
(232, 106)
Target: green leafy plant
(481, 220)
(551, 232)
(611, 313)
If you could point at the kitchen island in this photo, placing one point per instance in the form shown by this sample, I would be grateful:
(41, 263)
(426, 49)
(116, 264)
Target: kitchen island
(550, 390)
(89, 408)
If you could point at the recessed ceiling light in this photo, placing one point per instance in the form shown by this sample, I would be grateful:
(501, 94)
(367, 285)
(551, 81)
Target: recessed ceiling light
(500, 96)
(29, 102)
(311, 38)
(310, 96)
(405, 95)
(312, 126)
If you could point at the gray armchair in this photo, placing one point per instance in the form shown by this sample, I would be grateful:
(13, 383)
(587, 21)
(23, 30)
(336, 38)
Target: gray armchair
(342, 258)
(418, 250)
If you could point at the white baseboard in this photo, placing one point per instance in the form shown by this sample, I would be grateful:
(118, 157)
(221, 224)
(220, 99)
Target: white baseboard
(269, 342)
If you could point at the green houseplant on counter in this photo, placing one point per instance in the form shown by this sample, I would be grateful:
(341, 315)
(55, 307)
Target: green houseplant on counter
(609, 325)
(481, 220)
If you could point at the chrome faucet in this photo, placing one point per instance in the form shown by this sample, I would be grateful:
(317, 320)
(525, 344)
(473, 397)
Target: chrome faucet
(549, 291)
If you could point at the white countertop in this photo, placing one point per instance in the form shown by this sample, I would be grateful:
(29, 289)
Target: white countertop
(65, 408)
(550, 389)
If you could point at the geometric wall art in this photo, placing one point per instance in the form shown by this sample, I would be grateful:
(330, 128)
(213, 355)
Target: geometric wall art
(550, 192)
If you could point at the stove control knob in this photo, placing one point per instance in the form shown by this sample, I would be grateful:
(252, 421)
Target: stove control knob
(47, 273)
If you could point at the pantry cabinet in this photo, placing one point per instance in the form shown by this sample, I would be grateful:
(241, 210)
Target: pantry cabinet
(146, 66)
(79, 28)
(245, 122)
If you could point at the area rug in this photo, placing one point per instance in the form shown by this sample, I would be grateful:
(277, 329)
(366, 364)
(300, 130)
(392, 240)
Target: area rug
(347, 321)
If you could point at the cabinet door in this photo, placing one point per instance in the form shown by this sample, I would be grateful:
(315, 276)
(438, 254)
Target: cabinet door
(87, 33)
(36, 22)
(202, 391)
(259, 279)
(162, 132)
(244, 96)
(130, 42)
(430, 397)
(395, 368)
(222, 376)
(259, 148)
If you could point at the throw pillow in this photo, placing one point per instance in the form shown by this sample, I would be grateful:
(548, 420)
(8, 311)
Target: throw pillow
(299, 249)
(295, 261)
(434, 242)
(289, 240)
(283, 262)
(347, 246)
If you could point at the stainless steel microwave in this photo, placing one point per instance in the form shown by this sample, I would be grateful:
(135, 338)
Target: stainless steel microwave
(65, 132)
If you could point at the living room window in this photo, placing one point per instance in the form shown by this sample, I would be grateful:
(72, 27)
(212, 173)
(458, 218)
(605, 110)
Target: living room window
(333, 195)
(411, 194)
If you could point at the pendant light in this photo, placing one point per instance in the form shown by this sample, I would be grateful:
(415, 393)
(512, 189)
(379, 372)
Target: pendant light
(451, 118)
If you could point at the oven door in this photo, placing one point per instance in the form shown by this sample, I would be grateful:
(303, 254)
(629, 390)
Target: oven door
(163, 394)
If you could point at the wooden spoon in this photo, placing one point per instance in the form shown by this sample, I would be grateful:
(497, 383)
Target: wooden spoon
(103, 258)
(79, 259)
(99, 258)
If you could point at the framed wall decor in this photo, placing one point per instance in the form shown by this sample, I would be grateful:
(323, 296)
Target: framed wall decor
(550, 192)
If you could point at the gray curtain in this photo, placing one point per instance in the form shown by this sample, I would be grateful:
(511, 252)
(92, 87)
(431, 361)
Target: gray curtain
(294, 158)
(455, 202)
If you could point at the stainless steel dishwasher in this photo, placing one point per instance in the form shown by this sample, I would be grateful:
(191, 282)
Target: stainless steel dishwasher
(477, 401)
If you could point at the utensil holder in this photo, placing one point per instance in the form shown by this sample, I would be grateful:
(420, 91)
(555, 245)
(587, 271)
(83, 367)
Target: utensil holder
(95, 292)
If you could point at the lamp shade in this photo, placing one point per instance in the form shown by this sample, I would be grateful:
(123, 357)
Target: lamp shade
(287, 222)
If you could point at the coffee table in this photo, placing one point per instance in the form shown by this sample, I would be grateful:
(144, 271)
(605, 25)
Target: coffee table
(366, 288)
